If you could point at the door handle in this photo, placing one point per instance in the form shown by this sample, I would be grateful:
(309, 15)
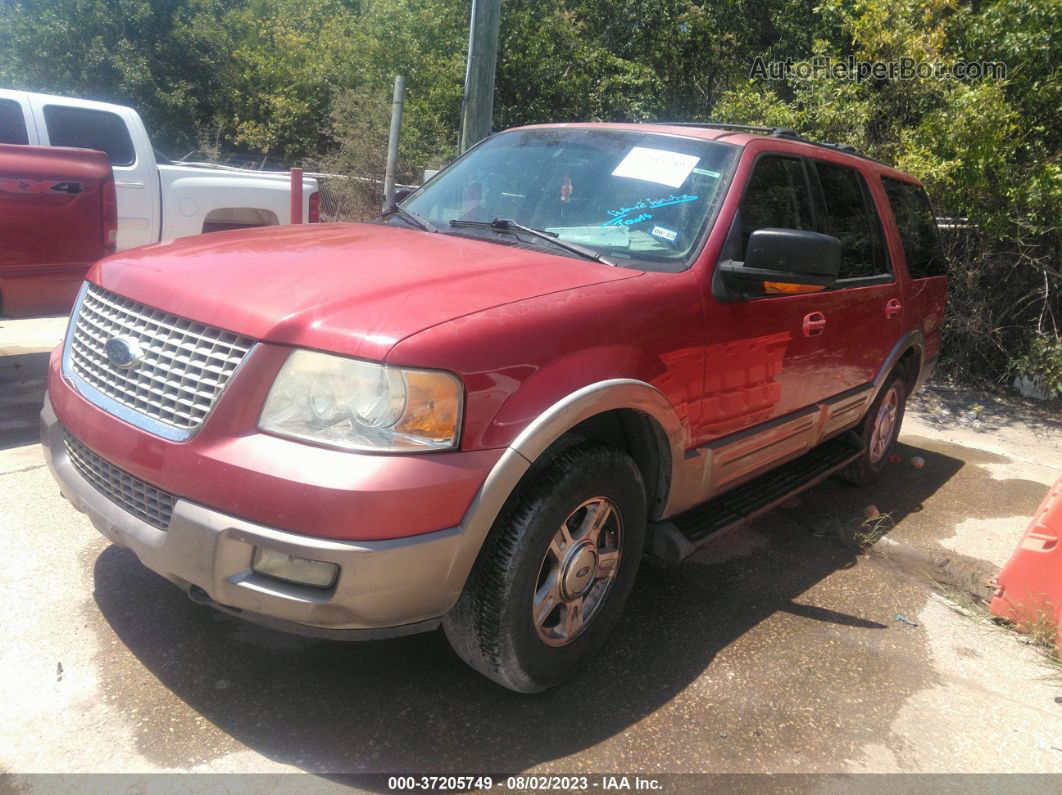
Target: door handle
(814, 324)
(892, 307)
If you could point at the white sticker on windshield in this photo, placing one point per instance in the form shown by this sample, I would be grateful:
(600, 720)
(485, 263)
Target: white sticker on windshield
(656, 165)
(670, 235)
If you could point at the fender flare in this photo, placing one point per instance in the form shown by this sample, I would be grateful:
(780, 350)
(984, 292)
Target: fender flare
(535, 439)
(912, 339)
(597, 398)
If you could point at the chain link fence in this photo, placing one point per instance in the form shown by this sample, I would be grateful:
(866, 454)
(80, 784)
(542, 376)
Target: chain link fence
(344, 197)
(350, 198)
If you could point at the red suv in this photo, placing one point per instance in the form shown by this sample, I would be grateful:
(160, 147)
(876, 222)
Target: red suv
(575, 345)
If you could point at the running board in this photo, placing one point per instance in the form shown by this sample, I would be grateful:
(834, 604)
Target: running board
(682, 535)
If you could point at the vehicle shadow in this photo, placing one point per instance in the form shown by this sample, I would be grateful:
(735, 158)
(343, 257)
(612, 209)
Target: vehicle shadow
(411, 705)
(23, 380)
(900, 492)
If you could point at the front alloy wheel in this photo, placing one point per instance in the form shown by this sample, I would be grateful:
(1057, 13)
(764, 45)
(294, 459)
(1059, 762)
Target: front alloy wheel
(555, 570)
(577, 571)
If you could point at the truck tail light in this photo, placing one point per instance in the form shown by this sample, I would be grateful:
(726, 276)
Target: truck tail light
(314, 216)
(109, 209)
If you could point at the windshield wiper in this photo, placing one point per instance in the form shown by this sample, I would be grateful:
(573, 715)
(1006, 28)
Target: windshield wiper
(509, 225)
(413, 218)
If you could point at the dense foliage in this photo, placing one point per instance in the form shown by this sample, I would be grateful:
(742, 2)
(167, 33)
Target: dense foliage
(309, 81)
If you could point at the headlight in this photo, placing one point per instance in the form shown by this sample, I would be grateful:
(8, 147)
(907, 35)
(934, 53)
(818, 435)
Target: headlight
(361, 405)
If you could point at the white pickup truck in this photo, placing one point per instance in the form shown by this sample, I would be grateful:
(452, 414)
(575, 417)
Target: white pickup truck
(156, 201)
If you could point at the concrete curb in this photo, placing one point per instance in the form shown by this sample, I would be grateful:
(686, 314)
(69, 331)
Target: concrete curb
(972, 576)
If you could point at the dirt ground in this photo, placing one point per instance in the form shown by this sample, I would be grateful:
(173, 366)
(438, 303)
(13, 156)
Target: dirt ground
(781, 649)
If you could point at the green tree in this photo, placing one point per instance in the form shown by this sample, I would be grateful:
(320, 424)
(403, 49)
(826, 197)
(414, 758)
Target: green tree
(289, 58)
(987, 149)
(260, 73)
(553, 67)
(160, 56)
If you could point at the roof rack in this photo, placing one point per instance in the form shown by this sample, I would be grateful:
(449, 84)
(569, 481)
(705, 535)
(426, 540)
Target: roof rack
(842, 147)
(774, 132)
(777, 132)
(848, 149)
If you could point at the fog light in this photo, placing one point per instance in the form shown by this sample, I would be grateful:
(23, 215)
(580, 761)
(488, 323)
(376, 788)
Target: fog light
(318, 573)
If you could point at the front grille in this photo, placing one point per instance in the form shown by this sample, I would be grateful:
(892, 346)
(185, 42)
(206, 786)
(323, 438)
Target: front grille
(144, 501)
(184, 366)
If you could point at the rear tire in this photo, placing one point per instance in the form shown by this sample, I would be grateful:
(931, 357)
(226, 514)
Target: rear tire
(555, 571)
(879, 431)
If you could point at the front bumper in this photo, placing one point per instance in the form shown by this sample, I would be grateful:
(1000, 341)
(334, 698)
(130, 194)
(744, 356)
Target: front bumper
(386, 587)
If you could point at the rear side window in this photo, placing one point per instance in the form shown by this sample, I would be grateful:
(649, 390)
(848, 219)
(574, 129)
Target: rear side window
(852, 219)
(776, 197)
(90, 129)
(918, 228)
(12, 123)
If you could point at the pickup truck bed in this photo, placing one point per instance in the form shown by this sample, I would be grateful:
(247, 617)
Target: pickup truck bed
(57, 216)
(157, 199)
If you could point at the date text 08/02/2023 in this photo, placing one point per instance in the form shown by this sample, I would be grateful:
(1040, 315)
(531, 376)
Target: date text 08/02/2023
(579, 783)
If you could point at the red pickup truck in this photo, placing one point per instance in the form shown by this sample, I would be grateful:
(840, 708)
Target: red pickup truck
(576, 345)
(58, 215)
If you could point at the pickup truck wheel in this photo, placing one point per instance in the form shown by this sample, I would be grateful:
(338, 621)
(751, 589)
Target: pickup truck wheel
(881, 427)
(555, 571)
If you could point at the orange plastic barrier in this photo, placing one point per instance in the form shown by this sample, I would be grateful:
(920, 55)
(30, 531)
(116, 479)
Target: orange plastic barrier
(1029, 590)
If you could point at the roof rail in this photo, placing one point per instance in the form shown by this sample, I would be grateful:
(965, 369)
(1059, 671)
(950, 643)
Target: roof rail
(713, 125)
(774, 132)
(778, 132)
(842, 147)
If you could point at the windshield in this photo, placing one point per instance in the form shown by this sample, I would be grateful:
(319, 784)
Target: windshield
(641, 199)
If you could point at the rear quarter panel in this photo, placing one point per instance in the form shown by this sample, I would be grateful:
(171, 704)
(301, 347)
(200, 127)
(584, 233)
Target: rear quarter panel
(928, 299)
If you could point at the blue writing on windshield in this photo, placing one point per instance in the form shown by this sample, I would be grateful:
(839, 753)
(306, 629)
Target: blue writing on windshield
(620, 216)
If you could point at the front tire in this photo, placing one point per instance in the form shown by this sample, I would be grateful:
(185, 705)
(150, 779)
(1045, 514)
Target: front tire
(554, 572)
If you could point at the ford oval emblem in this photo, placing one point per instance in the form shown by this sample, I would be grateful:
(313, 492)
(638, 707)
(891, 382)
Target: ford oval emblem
(124, 352)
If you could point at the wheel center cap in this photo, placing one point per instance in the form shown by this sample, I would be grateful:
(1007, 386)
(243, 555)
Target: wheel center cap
(579, 571)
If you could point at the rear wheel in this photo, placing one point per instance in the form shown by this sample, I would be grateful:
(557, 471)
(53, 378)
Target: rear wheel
(880, 429)
(554, 572)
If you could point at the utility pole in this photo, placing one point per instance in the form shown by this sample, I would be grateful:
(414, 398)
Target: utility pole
(392, 143)
(477, 106)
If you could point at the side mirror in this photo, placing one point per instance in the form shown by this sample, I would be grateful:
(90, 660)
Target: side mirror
(789, 256)
(403, 193)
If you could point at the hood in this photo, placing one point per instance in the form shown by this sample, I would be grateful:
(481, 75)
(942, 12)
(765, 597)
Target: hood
(350, 288)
